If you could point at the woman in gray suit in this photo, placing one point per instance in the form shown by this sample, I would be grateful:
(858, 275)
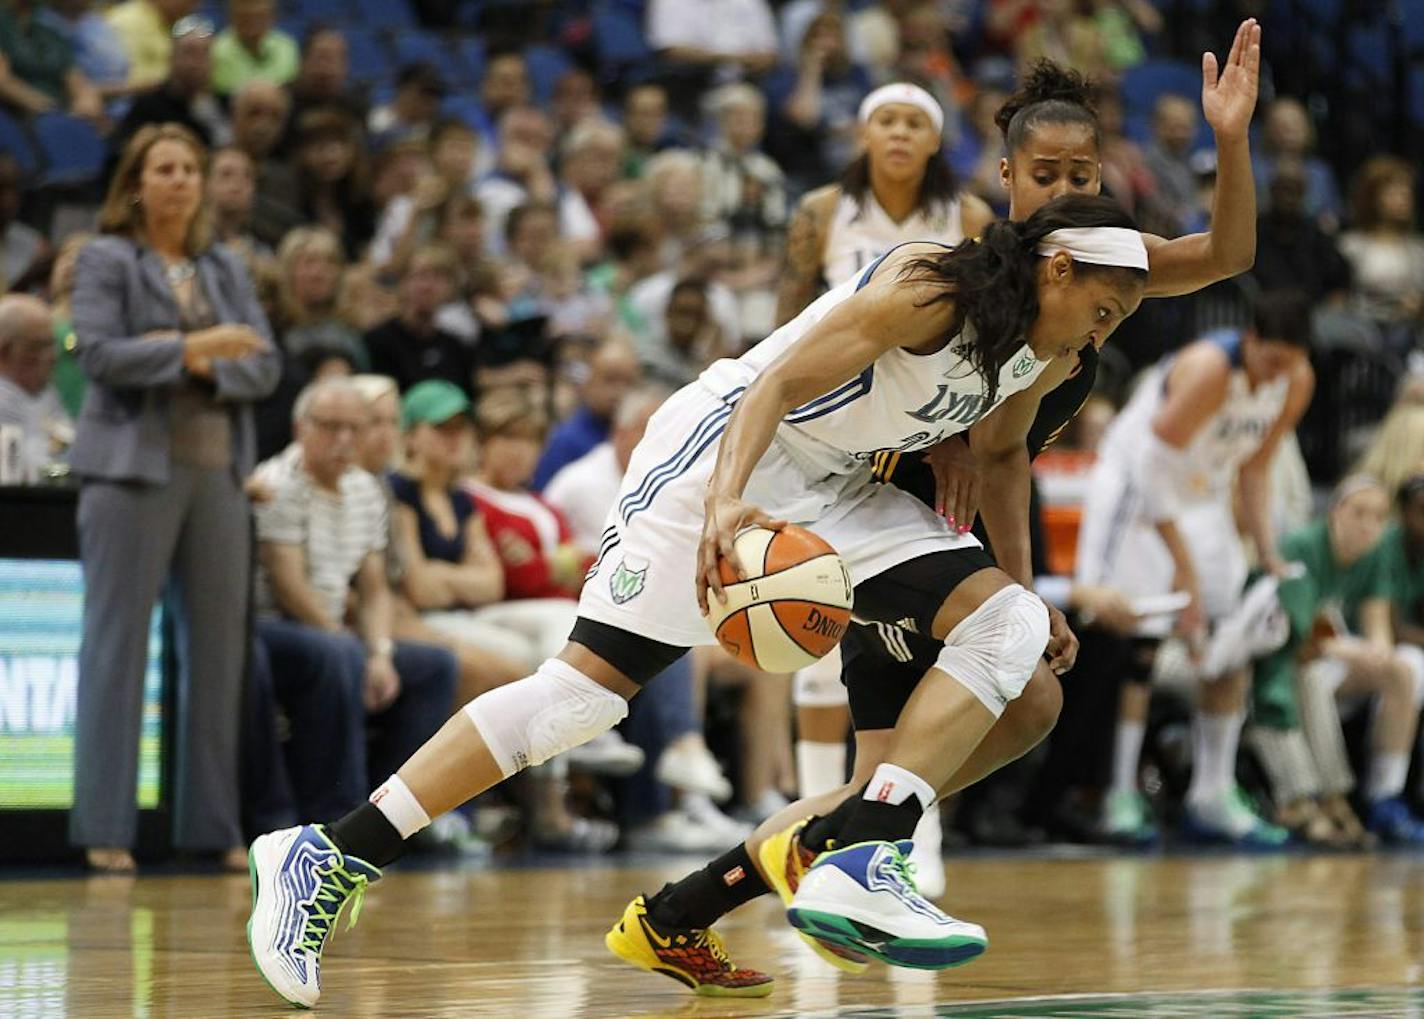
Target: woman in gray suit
(176, 349)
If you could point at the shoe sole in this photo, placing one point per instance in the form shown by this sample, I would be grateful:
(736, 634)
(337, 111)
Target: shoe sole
(783, 891)
(625, 948)
(907, 953)
(251, 947)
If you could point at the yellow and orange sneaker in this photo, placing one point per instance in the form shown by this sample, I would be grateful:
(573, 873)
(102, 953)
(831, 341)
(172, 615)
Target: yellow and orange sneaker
(695, 958)
(784, 861)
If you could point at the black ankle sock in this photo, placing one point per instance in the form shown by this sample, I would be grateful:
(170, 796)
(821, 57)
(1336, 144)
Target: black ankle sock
(705, 896)
(818, 834)
(365, 833)
(874, 821)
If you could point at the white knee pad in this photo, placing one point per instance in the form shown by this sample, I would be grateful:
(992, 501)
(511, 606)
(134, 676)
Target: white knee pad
(529, 721)
(1413, 657)
(819, 685)
(994, 650)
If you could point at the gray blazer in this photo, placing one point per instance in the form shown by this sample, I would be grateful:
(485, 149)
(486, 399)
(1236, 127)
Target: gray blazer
(121, 293)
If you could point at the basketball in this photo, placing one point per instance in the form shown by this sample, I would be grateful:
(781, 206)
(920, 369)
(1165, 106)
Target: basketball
(794, 605)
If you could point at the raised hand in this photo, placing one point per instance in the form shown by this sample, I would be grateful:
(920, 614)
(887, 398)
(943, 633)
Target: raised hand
(1229, 98)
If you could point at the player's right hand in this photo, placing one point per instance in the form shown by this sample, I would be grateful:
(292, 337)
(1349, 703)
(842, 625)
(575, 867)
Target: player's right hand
(724, 517)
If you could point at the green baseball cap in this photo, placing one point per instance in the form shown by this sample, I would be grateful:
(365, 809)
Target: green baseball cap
(432, 402)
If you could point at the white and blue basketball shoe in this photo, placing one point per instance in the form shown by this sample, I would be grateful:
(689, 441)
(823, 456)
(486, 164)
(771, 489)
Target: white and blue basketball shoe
(863, 897)
(300, 884)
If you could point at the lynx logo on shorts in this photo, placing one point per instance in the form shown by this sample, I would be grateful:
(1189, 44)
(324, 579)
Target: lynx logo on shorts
(626, 583)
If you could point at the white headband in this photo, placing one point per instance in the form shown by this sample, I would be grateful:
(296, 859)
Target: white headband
(902, 92)
(1098, 245)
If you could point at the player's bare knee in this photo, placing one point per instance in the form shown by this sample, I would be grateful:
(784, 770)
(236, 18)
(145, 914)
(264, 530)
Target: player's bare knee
(529, 721)
(1036, 710)
(995, 650)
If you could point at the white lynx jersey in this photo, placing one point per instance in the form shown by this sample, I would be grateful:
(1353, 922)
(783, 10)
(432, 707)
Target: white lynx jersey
(902, 401)
(1227, 440)
(861, 232)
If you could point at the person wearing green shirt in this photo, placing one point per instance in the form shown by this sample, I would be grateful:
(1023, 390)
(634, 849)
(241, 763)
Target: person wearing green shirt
(1342, 646)
(252, 47)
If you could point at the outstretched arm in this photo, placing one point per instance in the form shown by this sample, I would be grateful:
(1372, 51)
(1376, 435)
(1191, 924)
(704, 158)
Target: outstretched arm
(1189, 263)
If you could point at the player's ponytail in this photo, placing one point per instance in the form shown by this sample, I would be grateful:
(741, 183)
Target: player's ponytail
(993, 281)
(1049, 94)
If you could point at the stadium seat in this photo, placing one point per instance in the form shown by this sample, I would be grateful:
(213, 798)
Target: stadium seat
(15, 143)
(73, 151)
(546, 64)
(386, 14)
(618, 37)
(1144, 84)
(415, 45)
(369, 55)
(470, 52)
(464, 107)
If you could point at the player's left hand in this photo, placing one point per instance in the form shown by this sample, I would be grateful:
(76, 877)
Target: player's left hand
(724, 517)
(1062, 649)
(956, 475)
(1229, 99)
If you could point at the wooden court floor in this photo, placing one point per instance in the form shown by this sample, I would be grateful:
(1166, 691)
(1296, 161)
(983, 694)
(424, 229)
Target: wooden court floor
(1105, 936)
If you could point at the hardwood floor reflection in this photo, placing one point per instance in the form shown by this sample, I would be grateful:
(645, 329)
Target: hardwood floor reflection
(529, 942)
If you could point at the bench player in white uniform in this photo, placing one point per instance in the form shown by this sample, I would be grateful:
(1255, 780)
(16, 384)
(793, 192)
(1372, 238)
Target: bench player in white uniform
(921, 346)
(899, 189)
(1158, 518)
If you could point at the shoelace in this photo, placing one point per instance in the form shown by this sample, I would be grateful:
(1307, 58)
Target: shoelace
(713, 943)
(333, 893)
(906, 868)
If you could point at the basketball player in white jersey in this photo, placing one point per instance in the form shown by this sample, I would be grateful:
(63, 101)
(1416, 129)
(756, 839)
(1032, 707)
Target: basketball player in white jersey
(899, 189)
(920, 346)
(1159, 518)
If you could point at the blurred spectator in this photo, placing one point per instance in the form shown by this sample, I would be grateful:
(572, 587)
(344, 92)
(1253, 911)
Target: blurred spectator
(531, 232)
(1064, 33)
(322, 535)
(23, 249)
(504, 86)
(163, 444)
(674, 181)
(68, 377)
(252, 48)
(38, 72)
(1174, 126)
(231, 189)
(976, 157)
(28, 400)
(591, 158)
(1403, 547)
(632, 256)
(1289, 137)
(1126, 175)
(260, 112)
(311, 262)
(410, 347)
(541, 559)
(410, 220)
(612, 373)
(645, 119)
(1396, 452)
(323, 78)
(145, 30)
(332, 178)
(741, 186)
(706, 257)
(413, 109)
(814, 105)
(575, 98)
(364, 300)
(927, 58)
(1291, 249)
(731, 37)
(183, 97)
(460, 223)
(398, 167)
(98, 51)
(691, 338)
(1385, 250)
(522, 173)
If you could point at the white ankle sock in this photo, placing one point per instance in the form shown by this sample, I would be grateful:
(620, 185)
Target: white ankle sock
(1215, 739)
(1127, 752)
(892, 784)
(1387, 775)
(820, 767)
(394, 799)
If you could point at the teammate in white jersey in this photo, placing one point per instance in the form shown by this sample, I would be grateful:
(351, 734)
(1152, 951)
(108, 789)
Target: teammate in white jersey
(1158, 518)
(920, 346)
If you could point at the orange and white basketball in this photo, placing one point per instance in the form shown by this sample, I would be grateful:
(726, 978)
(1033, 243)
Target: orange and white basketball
(794, 605)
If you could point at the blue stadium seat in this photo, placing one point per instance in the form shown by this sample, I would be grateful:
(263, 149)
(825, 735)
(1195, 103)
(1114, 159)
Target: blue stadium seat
(465, 107)
(369, 56)
(1144, 84)
(546, 64)
(618, 37)
(470, 52)
(416, 45)
(14, 142)
(387, 14)
(332, 12)
(73, 151)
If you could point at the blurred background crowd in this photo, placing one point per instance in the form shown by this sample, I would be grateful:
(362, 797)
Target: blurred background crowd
(446, 257)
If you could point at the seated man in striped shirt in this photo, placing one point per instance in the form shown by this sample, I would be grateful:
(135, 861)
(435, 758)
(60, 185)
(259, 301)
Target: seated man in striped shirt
(320, 536)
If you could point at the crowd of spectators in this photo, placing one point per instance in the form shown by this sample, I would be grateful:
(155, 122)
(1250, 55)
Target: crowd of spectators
(467, 298)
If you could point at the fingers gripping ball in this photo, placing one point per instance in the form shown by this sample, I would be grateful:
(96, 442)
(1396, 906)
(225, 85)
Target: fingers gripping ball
(794, 605)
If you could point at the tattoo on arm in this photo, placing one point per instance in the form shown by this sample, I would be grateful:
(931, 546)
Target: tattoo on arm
(801, 274)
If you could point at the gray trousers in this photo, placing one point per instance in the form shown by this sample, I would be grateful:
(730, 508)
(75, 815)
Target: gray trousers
(193, 533)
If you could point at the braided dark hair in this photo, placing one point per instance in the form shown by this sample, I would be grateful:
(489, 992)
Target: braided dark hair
(993, 281)
(1048, 94)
